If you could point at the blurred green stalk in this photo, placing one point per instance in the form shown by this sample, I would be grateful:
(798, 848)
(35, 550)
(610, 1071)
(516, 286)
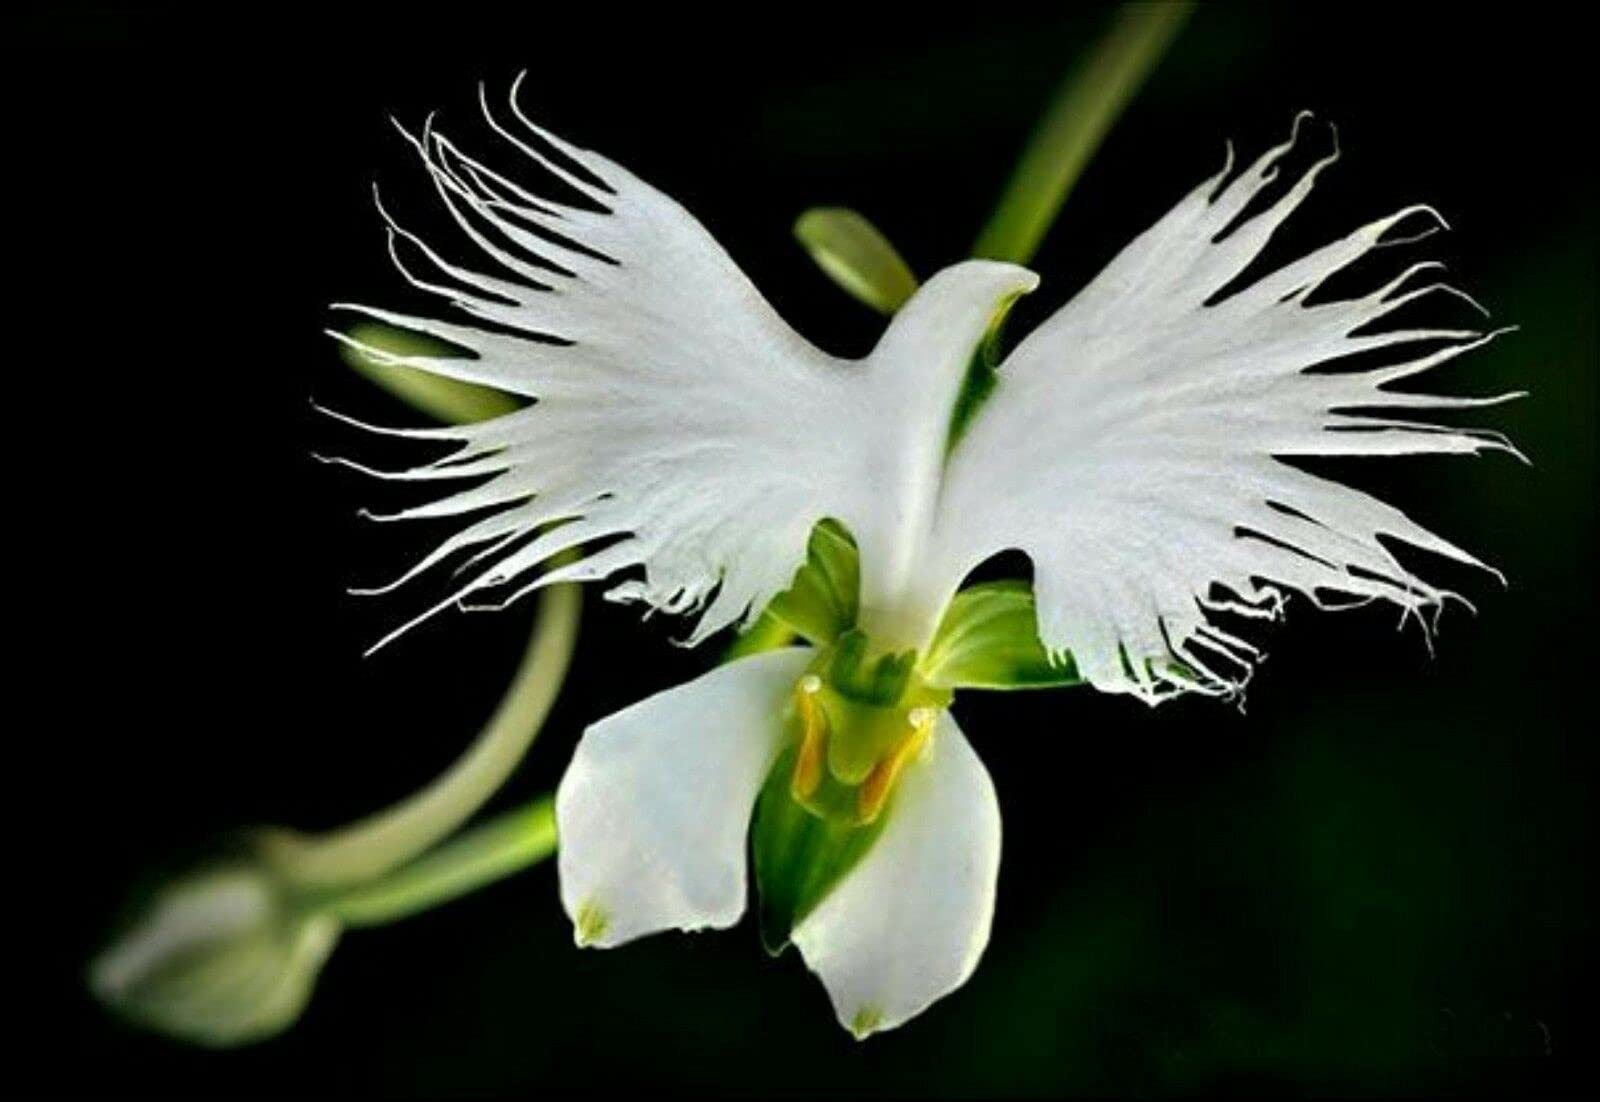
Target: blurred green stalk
(386, 840)
(229, 952)
(1080, 115)
(505, 844)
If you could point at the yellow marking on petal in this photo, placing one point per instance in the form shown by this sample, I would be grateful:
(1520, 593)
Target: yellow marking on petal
(809, 761)
(867, 1019)
(590, 923)
(874, 791)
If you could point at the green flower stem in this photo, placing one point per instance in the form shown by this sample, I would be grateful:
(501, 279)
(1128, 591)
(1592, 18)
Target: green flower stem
(1078, 119)
(388, 839)
(384, 841)
(504, 845)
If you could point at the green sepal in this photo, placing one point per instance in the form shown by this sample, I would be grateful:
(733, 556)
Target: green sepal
(821, 603)
(1077, 120)
(989, 639)
(799, 856)
(857, 256)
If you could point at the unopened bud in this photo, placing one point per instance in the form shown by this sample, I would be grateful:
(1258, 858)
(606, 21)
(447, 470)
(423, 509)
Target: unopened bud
(222, 956)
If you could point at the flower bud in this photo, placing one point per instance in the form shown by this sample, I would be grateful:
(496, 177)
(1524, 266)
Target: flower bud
(222, 956)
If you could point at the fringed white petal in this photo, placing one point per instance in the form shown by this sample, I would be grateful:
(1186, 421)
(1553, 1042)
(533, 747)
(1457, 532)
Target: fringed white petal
(907, 925)
(672, 410)
(1131, 447)
(678, 425)
(653, 811)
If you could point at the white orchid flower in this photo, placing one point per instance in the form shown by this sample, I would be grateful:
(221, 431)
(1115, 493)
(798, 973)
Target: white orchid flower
(1131, 446)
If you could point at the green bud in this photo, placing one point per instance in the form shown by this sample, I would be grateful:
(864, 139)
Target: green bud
(223, 956)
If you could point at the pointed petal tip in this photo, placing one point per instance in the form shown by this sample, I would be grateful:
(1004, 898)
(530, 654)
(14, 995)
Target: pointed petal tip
(1440, 224)
(1464, 297)
(589, 926)
(865, 1022)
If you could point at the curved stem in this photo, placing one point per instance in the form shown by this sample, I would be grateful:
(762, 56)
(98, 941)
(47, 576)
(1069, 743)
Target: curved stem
(1077, 120)
(505, 844)
(386, 840)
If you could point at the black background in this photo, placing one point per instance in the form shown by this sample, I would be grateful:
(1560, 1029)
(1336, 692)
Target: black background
(1376, 880)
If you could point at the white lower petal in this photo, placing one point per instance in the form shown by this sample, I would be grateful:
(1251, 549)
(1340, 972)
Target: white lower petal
(909, 923)
(654, 809)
